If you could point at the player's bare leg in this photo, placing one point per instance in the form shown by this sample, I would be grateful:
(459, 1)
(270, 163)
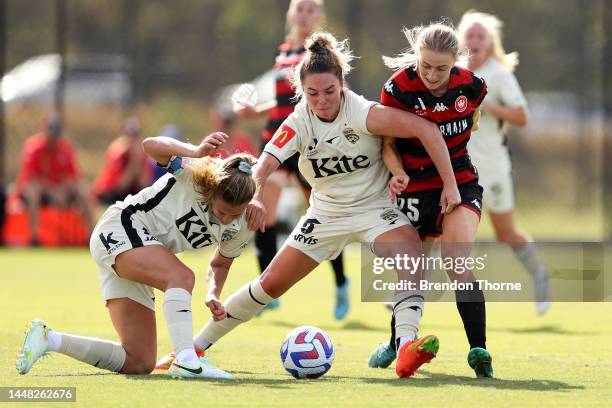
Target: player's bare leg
(156, 266)
(287, 268)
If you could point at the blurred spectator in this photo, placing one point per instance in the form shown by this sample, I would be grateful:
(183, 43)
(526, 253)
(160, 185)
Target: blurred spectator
(126, 168)
(49, 175)
(2, 210)
(168, 130)
(224, 120)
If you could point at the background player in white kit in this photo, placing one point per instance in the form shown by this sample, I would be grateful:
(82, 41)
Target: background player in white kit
(503, 105)
(334, 130)
(201, 203)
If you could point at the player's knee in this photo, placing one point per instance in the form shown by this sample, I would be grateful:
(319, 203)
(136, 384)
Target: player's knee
(182, 278)
(271, 286)
(512, 236)
(138, 364)
(139, 367)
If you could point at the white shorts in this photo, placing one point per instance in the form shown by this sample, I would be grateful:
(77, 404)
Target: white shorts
(321, 237)
(109, 239)
(498, 195)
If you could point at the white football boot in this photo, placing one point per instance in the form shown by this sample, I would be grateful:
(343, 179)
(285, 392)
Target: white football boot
(35, 345)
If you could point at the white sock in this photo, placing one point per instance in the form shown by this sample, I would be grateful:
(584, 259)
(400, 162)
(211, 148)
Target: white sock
(99, 353)
(528, 255)
(186, 355)
(177, 311)
(408, 310)
(240, 308)
(54, 340)
(403, 340)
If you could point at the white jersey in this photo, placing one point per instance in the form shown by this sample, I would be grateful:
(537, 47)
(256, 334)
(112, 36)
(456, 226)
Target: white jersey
(487, 147)
(169, 212)
(341, 160)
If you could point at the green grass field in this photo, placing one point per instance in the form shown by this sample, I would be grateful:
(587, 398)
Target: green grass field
(563, 358)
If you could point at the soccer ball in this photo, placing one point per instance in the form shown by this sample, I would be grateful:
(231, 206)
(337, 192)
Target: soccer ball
(307, 352)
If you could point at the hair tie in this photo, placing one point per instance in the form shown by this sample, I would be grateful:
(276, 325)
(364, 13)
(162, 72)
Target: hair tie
(245, 167)
(320, 50)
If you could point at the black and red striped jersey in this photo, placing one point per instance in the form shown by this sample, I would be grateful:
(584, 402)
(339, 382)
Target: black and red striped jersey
(452, 112)
(286, 59)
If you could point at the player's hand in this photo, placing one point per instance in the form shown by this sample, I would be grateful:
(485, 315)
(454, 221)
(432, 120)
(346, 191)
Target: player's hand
(256, 216)
(216, 308)
(397, 184)
(449, 199)
(210, 143)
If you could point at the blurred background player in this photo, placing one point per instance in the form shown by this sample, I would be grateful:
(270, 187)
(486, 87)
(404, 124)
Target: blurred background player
(201, 202)
(126, 168)
(303, 18)
(49, 175)
(503, 105)
(427, 83)
(224, 119)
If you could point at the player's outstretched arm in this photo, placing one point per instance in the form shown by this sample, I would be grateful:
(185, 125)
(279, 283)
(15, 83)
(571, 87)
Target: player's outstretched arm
(162, 148)
(256, 213)
(218, 269)
(391, 158)
(388, 121)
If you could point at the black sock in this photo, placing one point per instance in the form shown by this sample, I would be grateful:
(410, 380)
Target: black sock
(338, 266)
(265, 246)
(392, 339)
(471, 306)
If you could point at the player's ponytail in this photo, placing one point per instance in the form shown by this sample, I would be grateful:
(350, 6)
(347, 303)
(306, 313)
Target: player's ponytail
(437, 37)
(324, 54)
(229, 179)
(493, 25)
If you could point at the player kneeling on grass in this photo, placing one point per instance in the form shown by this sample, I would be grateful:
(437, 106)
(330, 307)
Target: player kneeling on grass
(200, 203)
(336, 133)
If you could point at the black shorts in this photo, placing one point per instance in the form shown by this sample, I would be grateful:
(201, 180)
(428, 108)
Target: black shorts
(423, 207)
(291, 166)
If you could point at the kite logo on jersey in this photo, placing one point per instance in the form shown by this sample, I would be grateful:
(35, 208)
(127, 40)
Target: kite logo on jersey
(283, 137)
(332, 166)
(110, 243)
(350, 135)
(108, 240)
(194, 230)
(461, 103)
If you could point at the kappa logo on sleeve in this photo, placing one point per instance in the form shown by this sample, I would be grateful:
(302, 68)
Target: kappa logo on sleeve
(284, 136)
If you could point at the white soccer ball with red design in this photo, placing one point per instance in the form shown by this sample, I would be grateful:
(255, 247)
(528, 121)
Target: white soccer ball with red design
(307, 352)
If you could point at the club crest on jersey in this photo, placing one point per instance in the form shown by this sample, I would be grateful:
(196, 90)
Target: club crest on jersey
(390, 215)
(283, 137)
(461, 103)
(312, 147)
(350, 135)
(228, 234)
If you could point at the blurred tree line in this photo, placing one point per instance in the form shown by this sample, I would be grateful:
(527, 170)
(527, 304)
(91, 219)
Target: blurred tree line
(195, 46)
